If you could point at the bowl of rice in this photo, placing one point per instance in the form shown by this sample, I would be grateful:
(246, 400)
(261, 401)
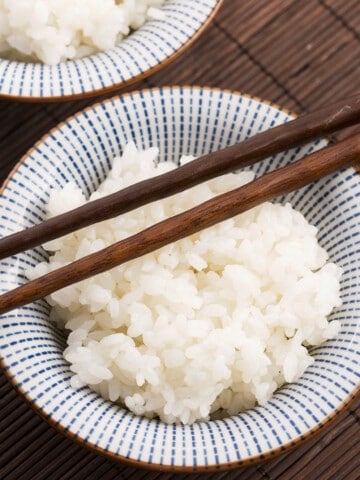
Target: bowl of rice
(52, 51)
(222, 349)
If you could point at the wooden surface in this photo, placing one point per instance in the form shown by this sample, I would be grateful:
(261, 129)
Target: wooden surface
(299, 54)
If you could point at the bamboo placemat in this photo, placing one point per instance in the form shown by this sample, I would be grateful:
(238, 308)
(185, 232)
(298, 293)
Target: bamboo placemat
(298, 54)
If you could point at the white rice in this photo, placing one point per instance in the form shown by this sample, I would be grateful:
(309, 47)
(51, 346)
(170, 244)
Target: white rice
(54, 31)
(214, 322)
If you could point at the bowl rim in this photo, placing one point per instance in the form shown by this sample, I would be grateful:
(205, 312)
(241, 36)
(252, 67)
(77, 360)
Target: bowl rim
(131, 81)
(252, 460)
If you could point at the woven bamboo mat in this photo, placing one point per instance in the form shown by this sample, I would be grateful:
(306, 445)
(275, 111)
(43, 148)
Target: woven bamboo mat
(299, 54)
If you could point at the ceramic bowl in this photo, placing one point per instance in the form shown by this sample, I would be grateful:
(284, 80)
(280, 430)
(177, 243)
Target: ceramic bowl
(180, 121)
(139, 55)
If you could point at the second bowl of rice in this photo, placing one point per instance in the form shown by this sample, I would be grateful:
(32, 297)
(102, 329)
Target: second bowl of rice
(52, 51)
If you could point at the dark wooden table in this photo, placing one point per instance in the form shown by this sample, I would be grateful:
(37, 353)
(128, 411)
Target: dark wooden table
(299, 54)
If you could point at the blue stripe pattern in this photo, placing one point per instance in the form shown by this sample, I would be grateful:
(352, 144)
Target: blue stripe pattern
(150, 46)
(180, 121)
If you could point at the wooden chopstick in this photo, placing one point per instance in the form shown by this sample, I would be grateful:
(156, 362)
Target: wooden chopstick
(248, 152)
(284, 180)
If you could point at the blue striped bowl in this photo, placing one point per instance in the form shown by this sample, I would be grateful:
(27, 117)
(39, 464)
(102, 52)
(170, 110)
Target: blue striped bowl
(179, 121)
(142, 53)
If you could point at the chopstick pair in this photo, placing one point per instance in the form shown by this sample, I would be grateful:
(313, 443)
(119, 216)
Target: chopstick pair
(284, 180)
